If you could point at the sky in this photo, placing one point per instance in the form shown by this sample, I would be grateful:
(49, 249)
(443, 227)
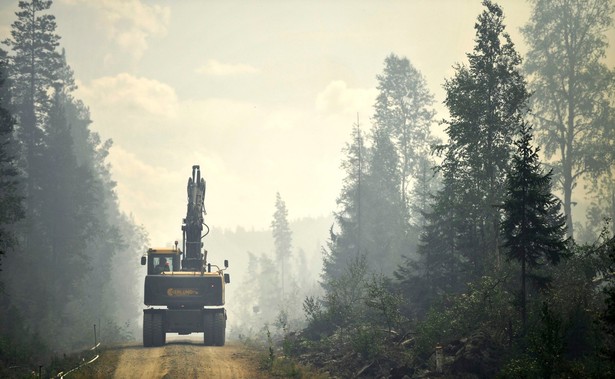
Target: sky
(261, 94)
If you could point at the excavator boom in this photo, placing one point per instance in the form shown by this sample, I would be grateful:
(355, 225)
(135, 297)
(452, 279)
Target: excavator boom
(192, 226)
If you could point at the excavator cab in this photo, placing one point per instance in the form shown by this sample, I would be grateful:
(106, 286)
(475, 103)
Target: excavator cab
(161, 261)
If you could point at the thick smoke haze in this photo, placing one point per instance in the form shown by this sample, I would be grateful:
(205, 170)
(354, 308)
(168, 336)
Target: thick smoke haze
(262, 95)
(402, 188)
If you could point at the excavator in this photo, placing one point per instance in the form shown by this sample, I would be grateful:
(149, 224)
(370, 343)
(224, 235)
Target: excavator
(184, 293)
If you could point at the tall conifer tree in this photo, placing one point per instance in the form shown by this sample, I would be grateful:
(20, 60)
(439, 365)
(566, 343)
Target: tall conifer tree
(533, 227)
(11, 207)
(282, 239)
(384, 214)
(346, 237)
(34, 67)
(487, 101)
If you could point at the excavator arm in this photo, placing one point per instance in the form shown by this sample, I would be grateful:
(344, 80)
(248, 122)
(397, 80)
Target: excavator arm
(192, 226)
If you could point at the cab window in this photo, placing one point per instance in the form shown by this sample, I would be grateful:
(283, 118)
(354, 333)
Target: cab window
(162, 264)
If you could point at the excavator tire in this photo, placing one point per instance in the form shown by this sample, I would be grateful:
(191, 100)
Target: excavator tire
(147, 330)
(208, 329)
(219, 329)
(158, 333)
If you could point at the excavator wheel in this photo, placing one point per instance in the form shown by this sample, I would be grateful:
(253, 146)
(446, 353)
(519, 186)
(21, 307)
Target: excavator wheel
(208, 329)
(158, 333)
(147, 330)
(219, 328)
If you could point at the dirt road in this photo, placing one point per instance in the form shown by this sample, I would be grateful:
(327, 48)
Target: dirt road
(186, 357)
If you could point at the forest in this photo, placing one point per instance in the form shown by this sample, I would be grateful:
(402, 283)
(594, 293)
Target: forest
(63, 238)
(455, 257)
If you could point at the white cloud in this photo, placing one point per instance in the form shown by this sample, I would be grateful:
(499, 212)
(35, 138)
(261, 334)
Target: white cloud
(337, 97)
(284, 118)
(158, 193)
(127, 92)
(216, 68)
(247, 151)
(127, 167)
(130, 23)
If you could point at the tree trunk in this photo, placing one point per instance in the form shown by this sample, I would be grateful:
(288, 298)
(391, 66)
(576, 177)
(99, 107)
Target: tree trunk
(523, 295)
(567, 160)
(568, 201)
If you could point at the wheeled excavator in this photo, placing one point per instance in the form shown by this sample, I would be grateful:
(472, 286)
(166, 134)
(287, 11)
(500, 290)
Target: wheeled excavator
(184, 293)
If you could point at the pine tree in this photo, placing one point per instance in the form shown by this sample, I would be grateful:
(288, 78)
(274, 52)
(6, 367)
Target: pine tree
(34, 66)
(282, 238)
(533, 226)
(35, 62)
(11, 208)
(572, 101)
(59, 246)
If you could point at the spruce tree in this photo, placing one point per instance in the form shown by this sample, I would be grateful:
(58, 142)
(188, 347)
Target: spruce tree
(487, 101)
(438, 268)
(384, 215)
(346, 241)
(533, 227)
(282, 238)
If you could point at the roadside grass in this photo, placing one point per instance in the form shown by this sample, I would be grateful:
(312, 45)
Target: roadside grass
(270, 359)
(102, 368)
(280, 366)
